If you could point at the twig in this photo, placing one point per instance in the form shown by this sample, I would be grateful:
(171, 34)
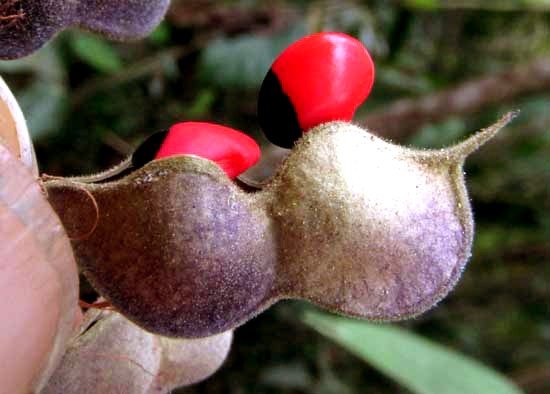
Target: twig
(215, 16)
(10, 17)
(404, 117)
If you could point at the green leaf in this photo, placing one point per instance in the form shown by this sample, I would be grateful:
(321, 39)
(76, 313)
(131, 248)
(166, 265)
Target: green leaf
(421, 366)
(96, 52)
(500, 5)
(161, 35)
(45, 63)
(202, 104)
(44, 104)
(423, 4)
(441, 134)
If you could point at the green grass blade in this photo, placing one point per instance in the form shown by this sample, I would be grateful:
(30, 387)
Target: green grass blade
(420, 365)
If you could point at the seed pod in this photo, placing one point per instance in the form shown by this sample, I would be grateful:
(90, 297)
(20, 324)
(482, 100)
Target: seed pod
(178, 248)
(372, 229)
(321, 78)
(26, 25)
(350, 222)
(113, 355)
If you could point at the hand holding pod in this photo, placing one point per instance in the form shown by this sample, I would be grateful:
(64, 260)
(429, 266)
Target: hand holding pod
(350, 222)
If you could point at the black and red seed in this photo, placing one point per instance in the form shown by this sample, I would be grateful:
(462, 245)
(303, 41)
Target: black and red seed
(321, 78)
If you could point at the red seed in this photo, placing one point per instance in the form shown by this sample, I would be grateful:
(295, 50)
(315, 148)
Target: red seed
(320, 78)
(232, 150)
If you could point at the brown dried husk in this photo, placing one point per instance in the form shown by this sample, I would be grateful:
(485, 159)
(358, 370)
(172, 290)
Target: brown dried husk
(350, 222)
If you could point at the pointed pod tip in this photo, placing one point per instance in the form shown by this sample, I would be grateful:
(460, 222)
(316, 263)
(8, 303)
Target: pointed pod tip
(463, 149)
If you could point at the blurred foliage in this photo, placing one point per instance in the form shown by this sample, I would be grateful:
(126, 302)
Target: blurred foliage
(495, 5)
(89, 102)
(228, 62)
(96, 53)
(420, 365)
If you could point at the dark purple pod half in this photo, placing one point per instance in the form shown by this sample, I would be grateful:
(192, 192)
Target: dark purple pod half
(121, 19)
(175, 246)
(26, 25)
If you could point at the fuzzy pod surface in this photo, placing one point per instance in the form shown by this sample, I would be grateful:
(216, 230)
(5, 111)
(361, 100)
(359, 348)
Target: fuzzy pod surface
(113, 355)
(370, 229)
(177, 247)
(26, 25)
(350, 222)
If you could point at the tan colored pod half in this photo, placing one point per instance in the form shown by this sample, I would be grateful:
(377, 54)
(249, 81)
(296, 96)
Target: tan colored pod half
(113, 355)
(371, 229)
(188, 361)
(13, 129)
(176, 246)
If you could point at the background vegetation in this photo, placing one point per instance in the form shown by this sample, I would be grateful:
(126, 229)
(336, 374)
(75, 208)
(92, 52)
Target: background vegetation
(444, 69)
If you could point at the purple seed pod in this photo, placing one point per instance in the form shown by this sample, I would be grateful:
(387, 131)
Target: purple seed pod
(26, 25)
(352, 223)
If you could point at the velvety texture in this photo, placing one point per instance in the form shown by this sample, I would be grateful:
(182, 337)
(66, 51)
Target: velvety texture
(113, 355)
(177, 246)
(369, 229)
(26, 25)
(350, 222)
